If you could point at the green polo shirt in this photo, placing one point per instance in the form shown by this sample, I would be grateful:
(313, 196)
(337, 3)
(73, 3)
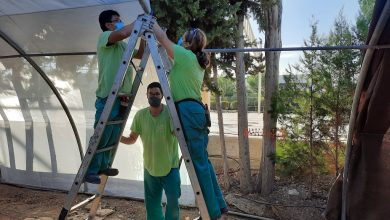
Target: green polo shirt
(109, 60)
(159, 143)
(186, 75)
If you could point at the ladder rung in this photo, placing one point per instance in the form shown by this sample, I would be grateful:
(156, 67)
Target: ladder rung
(115, 122)
(83, 203)
(121, 94)
(105, 149)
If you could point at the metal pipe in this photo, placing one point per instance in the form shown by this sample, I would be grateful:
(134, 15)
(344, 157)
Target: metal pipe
(357, 47)
(362, 76)
(145, 4)
(248, 216)
(49, 83)
(226, 50)
(48, 54)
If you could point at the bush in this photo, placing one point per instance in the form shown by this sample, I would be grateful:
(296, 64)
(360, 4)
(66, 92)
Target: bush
(233, 105)
(213, 105)
(225, 105)
(293, 158)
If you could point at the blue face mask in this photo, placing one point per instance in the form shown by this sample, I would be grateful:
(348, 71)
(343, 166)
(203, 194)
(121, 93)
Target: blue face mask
(180, 41)
(119, 25)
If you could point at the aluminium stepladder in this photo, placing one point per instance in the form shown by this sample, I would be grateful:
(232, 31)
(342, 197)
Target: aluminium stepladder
(142, 28)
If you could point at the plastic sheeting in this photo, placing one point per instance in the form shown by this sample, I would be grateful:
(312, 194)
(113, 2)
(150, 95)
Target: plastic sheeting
(37, 145)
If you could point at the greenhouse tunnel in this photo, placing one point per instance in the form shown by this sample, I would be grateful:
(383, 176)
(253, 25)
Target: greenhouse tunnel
(48, 71)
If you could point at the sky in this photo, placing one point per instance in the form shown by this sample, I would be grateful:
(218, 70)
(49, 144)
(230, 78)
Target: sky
(297, 17)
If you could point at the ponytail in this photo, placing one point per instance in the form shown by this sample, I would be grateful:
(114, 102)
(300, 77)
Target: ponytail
(203, 59)
(195, 40)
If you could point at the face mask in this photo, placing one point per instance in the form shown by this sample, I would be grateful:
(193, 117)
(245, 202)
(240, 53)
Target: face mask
(119, 25)
(180, 41)
(154, 101)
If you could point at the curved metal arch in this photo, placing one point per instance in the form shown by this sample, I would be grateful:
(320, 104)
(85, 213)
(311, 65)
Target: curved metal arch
(50, 84)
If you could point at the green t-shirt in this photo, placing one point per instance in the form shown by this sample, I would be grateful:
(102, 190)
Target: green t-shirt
(109, 60)
(160, 144)
(186, 76)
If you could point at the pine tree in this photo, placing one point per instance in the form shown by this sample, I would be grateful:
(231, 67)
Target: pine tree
(340, 69)
(300, 112)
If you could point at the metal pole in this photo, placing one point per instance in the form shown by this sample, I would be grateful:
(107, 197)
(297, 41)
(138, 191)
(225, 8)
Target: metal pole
(356, 47)
(226, 50)
(248, 216)
(145, 4)
(50, 84)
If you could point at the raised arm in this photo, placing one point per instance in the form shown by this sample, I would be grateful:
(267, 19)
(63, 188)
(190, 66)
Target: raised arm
(121, 34)
(140, 50)
(163, 39)
(131, 139)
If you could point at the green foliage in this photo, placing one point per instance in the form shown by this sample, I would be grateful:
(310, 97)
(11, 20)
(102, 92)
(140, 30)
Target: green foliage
(215, 18)
(293, 158)
(233, 105)
(315, 101)
(363, 20)
(225, 105)
(339, 70)
(254, 64)
(227, 90)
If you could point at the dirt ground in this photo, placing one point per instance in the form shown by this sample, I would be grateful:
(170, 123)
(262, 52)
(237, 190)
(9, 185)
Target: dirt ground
(31, 204)
(23, 203)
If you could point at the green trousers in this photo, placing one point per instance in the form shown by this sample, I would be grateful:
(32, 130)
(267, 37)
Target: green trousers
(153, 187)
(102, 160)
(193, 121)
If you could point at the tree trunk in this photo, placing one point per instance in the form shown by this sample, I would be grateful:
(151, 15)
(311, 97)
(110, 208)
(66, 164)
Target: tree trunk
(245, 172)
(311, 140)
(272, 39)
(337, 142)
(220, 125)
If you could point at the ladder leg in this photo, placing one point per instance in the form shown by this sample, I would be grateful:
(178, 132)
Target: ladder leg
(95, 139)
(96, 201)
(161, 73)
(134, 89)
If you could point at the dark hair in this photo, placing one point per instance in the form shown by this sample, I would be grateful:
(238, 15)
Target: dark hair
(155, 85)
(105, 17)
(196, 40)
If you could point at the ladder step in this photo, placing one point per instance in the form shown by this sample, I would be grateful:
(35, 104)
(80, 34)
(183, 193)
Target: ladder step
(105, 149)
(121, 94)
(115, 122)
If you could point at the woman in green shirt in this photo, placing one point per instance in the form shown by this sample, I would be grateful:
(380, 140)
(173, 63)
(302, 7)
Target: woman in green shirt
(185, 79)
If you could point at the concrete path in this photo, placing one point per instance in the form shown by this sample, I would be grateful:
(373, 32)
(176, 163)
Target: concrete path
(255, 123)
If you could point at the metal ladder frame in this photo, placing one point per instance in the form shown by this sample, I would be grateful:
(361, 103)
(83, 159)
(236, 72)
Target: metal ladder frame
(142, 26)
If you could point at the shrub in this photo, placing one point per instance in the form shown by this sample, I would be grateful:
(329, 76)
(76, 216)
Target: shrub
(213, 105)
(225, 105)
(293, 158)
(233, 105)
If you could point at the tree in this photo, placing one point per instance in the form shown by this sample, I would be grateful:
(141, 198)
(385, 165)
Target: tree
(243, 139)
(219, 28)
(363, 20)
(299, 106)
(340, 70)
(269, 16)
(242, 108)
(220, 124)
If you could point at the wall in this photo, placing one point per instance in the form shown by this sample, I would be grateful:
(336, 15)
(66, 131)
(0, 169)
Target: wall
(231, 143)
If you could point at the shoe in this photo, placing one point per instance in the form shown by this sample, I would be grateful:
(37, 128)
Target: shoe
(109, 172)
(92, 178)
(224, 210)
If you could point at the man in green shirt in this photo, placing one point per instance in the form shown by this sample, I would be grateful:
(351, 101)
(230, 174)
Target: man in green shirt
(161, 157)
(110, 49)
